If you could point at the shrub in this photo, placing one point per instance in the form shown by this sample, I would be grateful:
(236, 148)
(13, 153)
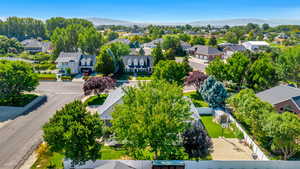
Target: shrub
(66, 78)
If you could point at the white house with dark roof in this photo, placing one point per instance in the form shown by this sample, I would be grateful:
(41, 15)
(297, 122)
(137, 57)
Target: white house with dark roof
(76, 62)
(283, 98)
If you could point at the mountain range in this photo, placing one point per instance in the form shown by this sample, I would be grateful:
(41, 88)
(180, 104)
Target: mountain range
(221, 22)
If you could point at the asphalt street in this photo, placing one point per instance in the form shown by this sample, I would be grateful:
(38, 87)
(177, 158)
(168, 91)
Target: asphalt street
(19, 137)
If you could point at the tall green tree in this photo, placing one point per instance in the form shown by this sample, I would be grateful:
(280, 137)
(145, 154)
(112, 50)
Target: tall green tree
(289, 64)
(237, 66)
(231, 37)
(285, 132)
(251, 111)
(170, 71)
(151, 119)
(8, 45)
(75, 132)
(16, 77)
(157, 54)
(262, 74)
(212, 41)
(66, 39)
(89, 41)
(197, 40)
(218, 69)
(105, 61)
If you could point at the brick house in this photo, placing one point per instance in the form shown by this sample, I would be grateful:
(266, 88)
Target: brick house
(283, 98)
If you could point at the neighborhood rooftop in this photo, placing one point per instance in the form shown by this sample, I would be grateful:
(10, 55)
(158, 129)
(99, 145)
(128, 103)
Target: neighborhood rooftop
(68, 56)
(279, 94)
(207, 50)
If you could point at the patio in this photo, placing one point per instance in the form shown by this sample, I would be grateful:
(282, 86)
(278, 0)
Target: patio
(230, 149)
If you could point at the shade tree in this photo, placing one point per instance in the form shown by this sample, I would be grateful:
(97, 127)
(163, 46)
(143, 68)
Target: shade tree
(16, 77)
(151, 120)
(74, 132)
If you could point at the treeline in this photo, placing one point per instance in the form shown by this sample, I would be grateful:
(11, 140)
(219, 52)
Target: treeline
(25, 28)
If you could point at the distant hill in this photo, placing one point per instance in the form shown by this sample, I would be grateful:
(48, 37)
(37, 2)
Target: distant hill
(105, 21)
(235, 22)
(221, 22)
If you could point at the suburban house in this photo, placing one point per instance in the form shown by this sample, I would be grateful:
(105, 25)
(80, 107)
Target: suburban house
(283, 98)
(36, 46)
(115, 97)
(76, 62)
(229, 49)
(205, 53)
(134, 62)
(282, 37)
(255, 45)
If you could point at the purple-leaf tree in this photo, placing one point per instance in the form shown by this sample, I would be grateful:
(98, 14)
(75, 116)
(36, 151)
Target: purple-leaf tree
(196, 79)
(98, 85)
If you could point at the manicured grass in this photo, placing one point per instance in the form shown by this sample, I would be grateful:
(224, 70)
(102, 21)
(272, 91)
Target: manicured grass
(196, 99)
(47, 76)
(146, 77)
(109, 153)
(47, 158)
(20, 101)
(96, 100)
(56, 159)
(214, 129)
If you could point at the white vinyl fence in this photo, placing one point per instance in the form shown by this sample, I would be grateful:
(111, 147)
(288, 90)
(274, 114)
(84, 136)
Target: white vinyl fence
(260, 154)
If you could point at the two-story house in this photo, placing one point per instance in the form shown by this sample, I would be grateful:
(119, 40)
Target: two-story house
(76, 62)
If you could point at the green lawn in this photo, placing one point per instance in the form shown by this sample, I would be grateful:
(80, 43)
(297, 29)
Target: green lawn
(196, 99)
(47, 158)
(214, 129)
(47, 76)
(146, 77)
(109, 153)
(56, 159)
(96, 100)
(20, 101)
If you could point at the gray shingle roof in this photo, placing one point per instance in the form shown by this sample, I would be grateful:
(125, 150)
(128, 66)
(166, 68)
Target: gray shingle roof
(205, 50)
(133, 57)
(32, 43)
(233, 47)
(113, 98)
(278, 94)
(68, 56)
(202, 164)
(114, 165)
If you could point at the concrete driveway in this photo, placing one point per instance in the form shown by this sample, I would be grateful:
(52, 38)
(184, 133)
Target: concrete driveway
(19, 137)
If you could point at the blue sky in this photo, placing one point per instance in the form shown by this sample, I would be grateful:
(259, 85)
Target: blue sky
(153, 10)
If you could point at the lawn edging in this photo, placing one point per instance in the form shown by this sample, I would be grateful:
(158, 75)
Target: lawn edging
(255, 148)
